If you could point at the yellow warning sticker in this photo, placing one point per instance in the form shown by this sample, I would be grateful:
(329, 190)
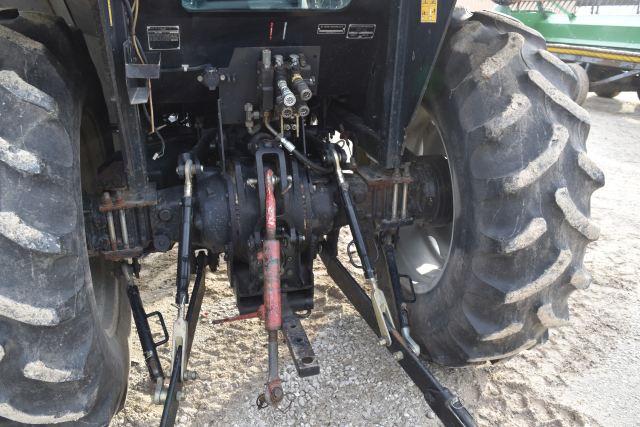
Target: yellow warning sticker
(429, 11)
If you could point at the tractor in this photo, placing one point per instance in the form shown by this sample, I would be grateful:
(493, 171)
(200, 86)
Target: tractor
(250, 132)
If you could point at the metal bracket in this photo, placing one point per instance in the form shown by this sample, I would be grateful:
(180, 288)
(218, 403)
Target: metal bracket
(299, 346)
(134, 72)
(261, 153)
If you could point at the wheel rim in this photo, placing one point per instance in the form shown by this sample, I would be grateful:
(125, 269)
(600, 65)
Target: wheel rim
(423, 249)
(105, 290)
(103, 273)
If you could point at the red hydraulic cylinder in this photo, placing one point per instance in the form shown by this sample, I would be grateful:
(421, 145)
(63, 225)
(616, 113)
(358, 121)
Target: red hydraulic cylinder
(271, 291)
(271, 261)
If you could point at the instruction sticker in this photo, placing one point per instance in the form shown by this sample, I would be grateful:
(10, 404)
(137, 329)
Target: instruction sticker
(163, 37)
(332, 29)
(361, 31)
(429, 11)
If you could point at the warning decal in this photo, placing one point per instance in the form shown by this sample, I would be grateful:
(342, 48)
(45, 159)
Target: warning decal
(163, 37)
(429, 11)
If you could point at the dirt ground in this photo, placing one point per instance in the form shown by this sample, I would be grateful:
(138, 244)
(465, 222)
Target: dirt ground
(587, 374)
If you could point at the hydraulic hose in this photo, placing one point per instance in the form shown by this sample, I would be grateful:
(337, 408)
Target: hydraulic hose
(310, 164)
(288, 145)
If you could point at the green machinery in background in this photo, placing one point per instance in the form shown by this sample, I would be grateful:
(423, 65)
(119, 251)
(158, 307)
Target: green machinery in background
(600, 39)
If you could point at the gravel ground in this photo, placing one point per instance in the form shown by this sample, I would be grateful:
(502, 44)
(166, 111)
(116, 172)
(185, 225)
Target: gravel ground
(587, 374)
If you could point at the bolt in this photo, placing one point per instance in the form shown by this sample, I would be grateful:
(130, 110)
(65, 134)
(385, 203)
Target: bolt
(277, 394)
(165, 215)
(398, 355)
(223, 77)
(200, 78)
(190, 375)
(382, 342)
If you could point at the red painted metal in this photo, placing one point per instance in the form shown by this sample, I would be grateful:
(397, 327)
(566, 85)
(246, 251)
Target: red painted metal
(271, 290)
(271, 261)
(270, 205)
(255, 315)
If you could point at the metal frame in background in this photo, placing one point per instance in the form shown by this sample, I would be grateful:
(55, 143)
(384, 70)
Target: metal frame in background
(577, 31)
(617, 32)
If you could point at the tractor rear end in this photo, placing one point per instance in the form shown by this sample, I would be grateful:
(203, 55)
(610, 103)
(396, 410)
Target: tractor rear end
(251, 132)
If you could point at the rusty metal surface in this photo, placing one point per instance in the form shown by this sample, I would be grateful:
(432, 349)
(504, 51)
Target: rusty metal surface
(255, 315)
(123, 202)
(123, 254)
(271, 260)
(377, 177)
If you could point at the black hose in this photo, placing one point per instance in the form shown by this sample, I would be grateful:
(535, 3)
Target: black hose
(298, 155)
(311, 165)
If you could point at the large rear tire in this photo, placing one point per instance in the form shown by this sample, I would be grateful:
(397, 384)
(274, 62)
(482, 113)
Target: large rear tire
(64, 322)
(521, 183)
